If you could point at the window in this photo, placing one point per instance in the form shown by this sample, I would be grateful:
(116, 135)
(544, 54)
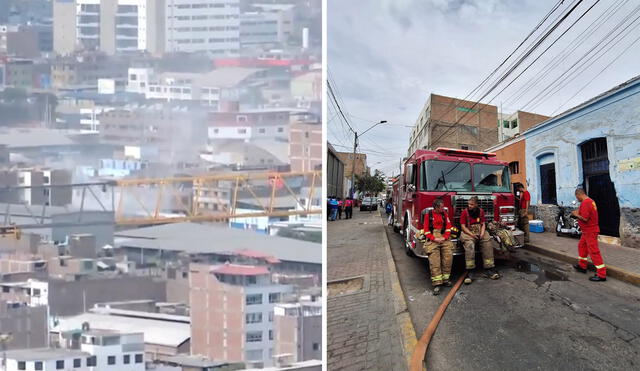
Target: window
(306, 134)
(252, 280)
(254, 336)
(38, 365)
(491, 178)
(505, 124)
(133, 77)
(139, 358)
(445, 176)
(262, 130)
(270, 334)
(242, 131)
(77, 362)
(254, 299)
(241, 118)
(464, 147)
(514, 124)
(126, 359)
(22, 365)
(111, 360)
(254, 318)
(280, 130)
(92, 361)
(274, 297)
(270, 316)
(59, 365)
(216, 131)
(514, 167)
(316, 346)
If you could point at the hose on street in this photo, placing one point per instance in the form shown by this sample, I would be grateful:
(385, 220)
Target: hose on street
(420, 351)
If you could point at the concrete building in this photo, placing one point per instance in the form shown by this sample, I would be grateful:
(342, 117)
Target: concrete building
(306, 89)
(454, 123)
(112, 26)
(27, 324)
(361, 167)
(298, 329)
(19, 41)
(241, 330)
(48, 359)
(164, 335)
(509, 125)
(37, 193)
(260, 30)
(17, 73)
(305, 142)
(85, 69)
(249, 125)
(203, 26)
(335, 173)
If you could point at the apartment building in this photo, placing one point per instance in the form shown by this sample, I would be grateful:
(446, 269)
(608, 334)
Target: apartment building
(242, 327)
(305, 142)
(27, 324)
(19, 41)
(211, 26)
(86, 68)
(112, 26)
(454, 123)
(35, 182)
(298, 329)
(249, 125)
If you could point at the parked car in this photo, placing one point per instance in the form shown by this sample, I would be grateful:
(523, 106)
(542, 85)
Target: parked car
(369, 203)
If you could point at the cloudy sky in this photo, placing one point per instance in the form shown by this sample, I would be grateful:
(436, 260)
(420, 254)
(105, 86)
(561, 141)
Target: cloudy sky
(386, 56)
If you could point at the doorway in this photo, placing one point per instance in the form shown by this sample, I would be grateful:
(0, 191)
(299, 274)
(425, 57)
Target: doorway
(548, 179)
(598, 185)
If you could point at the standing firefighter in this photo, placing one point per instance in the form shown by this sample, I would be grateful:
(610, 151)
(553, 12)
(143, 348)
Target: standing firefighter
(348, 208)
(437, 245)
(340, 207)
(587, 216)
(523, 217)
(473, 226)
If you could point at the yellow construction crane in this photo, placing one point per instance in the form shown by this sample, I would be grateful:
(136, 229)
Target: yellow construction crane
(149, 201)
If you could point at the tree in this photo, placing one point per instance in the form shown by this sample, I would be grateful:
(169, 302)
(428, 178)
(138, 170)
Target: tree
(371, 184)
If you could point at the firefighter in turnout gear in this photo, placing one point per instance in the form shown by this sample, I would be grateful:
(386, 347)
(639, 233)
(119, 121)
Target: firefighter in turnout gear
(587, 216)
(437, 245)
(472, 222)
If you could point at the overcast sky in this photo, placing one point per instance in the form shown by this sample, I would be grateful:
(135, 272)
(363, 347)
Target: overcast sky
(386, 56)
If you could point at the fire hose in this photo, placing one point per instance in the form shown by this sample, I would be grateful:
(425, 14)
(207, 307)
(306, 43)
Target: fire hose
(420, 351)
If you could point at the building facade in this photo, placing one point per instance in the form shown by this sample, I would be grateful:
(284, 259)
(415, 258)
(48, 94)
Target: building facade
(335, 173)
(111, 26)
(510, 125)
(305, 143)
(211, 26)
(454, 123)
(242, 328)
(299, 331)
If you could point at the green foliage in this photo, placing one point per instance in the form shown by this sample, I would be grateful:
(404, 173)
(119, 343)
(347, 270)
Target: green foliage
(371, 184)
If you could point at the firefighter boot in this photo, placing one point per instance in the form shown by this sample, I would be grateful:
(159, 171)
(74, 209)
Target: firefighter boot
(579, 268)
(468, 279)
(597, 278)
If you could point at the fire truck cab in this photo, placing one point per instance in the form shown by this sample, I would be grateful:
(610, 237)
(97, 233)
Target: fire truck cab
(455, 176)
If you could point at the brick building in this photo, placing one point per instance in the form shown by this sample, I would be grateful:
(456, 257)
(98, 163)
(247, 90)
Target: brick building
(454, 123)
(361, 163)
(305, 142)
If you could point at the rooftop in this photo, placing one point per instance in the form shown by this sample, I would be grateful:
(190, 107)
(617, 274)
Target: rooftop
(219, 78)
(43, 354)
(156, 331)
(38, 137)
(241, 270)
(194, 238)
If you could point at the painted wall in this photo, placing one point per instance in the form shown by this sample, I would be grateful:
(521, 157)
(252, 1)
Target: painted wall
(617, 118)
(515, 152)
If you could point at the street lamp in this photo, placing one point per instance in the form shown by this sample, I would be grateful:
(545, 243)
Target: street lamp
(355, 146)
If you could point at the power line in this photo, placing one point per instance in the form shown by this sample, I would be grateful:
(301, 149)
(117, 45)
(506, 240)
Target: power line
(532, 49)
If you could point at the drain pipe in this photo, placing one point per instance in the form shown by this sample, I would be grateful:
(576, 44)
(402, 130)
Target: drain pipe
(420, 351)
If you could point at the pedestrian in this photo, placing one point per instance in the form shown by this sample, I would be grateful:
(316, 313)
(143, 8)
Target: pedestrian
(437, 245)
(472, 222)
(587, 216)
(333, 208)
(348, 208)
(340, 205)
(523, 212)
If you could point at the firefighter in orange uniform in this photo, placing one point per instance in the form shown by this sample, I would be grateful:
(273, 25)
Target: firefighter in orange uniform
(587, 216)
(472, 222)
(437, 245)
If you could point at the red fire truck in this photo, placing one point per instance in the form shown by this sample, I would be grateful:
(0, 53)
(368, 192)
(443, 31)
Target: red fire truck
(455, 176)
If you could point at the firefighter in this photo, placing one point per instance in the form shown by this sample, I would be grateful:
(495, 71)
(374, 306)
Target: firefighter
(473, 226)
(587, 216)
(348, 208)
(523, 216)
(437, 245)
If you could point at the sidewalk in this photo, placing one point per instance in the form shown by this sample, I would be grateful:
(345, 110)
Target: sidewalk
(362, 329)
(622, 263)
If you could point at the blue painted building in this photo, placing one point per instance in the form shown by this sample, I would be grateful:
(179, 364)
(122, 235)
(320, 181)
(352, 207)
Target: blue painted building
(595, 145)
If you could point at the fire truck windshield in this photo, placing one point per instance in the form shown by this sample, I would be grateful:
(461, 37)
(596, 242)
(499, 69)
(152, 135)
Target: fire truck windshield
(445, 176)
(491, 178)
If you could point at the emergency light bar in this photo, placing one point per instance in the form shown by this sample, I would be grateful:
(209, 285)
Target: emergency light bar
(464, 152)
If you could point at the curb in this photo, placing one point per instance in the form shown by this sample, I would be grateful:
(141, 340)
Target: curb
(407, 331)
(612, 271)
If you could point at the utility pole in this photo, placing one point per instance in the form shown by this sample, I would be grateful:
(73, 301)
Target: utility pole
(353, 165)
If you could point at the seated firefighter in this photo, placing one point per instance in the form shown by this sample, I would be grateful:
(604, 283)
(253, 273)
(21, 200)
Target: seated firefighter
(437, 245)
(472, 222)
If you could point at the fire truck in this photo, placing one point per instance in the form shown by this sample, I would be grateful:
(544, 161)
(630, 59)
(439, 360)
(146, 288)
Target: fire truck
(455, 176)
